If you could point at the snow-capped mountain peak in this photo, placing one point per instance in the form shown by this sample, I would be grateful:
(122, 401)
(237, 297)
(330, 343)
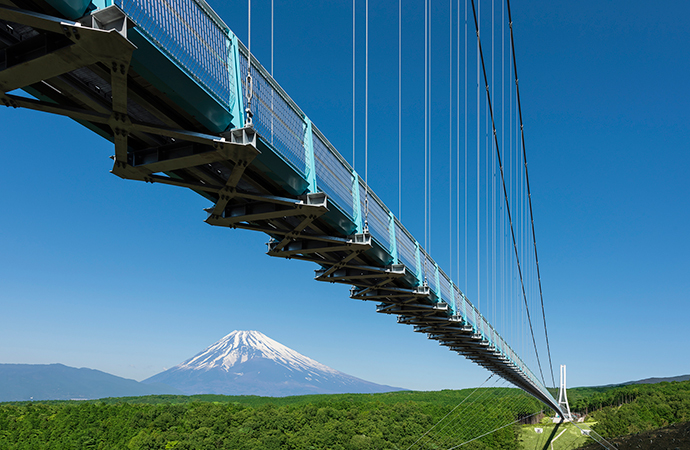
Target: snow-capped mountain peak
(251, 363)
(241, 346)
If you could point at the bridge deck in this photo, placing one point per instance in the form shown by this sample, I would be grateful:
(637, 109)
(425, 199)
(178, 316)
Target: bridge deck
(164, 82)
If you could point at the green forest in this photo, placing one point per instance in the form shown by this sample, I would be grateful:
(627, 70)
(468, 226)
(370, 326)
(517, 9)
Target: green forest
(348, 421)
(365, 421)
(633, 408)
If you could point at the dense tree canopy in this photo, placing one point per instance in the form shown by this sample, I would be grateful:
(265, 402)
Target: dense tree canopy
(640, 407)
(367, 421)
(378, 421)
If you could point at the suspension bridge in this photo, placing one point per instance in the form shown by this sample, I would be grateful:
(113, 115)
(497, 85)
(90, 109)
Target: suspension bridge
(186, 104)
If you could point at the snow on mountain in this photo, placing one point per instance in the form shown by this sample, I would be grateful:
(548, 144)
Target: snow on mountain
(241, 346)
(251, 363)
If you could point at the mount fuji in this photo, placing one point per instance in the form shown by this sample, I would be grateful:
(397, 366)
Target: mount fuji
(251, 363)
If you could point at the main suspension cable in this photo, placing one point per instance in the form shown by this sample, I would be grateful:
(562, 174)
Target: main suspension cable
(529, 194)
(505, 191)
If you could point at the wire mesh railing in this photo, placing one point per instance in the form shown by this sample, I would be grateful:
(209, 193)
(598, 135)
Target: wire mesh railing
(191, 37)
(332, 175)
(274, 118)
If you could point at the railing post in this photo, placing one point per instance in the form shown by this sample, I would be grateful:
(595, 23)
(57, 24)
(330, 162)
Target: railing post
(420, 272)
(356, 203)
(235, 74)
(464, 308)
(391, 237)
(101, 4)
(452, 298)
(477, 323)
(310, 168)
(439, 291)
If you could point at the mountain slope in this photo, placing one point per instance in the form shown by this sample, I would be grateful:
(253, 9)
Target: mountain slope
(22, 382)
(660, 380)
(250, 363)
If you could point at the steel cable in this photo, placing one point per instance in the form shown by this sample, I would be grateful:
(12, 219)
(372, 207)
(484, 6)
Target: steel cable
(505, 192)
(529, 194)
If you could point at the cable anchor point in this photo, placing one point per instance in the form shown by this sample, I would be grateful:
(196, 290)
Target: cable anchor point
(250, 91)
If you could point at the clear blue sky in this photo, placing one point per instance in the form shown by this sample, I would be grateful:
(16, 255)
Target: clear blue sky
(126, 278)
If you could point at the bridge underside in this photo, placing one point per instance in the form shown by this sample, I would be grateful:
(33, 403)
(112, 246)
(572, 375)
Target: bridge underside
(83, 71)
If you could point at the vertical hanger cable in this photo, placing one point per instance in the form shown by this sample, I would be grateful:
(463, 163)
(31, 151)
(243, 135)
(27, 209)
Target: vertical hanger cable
(426, 131)
(353, 91)
(250, 86)
(272, 90)
(479, 297)
(465, 146)
(400, 109)
(366, 124)
(450, 136)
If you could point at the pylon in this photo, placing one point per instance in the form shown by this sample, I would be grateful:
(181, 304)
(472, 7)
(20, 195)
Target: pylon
(563, 397)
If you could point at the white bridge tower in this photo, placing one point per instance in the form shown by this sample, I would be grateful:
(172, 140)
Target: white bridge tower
(563, 397)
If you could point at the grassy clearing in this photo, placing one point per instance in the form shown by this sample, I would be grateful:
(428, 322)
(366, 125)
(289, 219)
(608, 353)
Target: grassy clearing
(554, 436)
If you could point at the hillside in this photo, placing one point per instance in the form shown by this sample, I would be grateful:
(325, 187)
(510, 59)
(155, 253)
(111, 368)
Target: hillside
(676, 436)
(21, 382)
(637, 408)
(655, 380)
